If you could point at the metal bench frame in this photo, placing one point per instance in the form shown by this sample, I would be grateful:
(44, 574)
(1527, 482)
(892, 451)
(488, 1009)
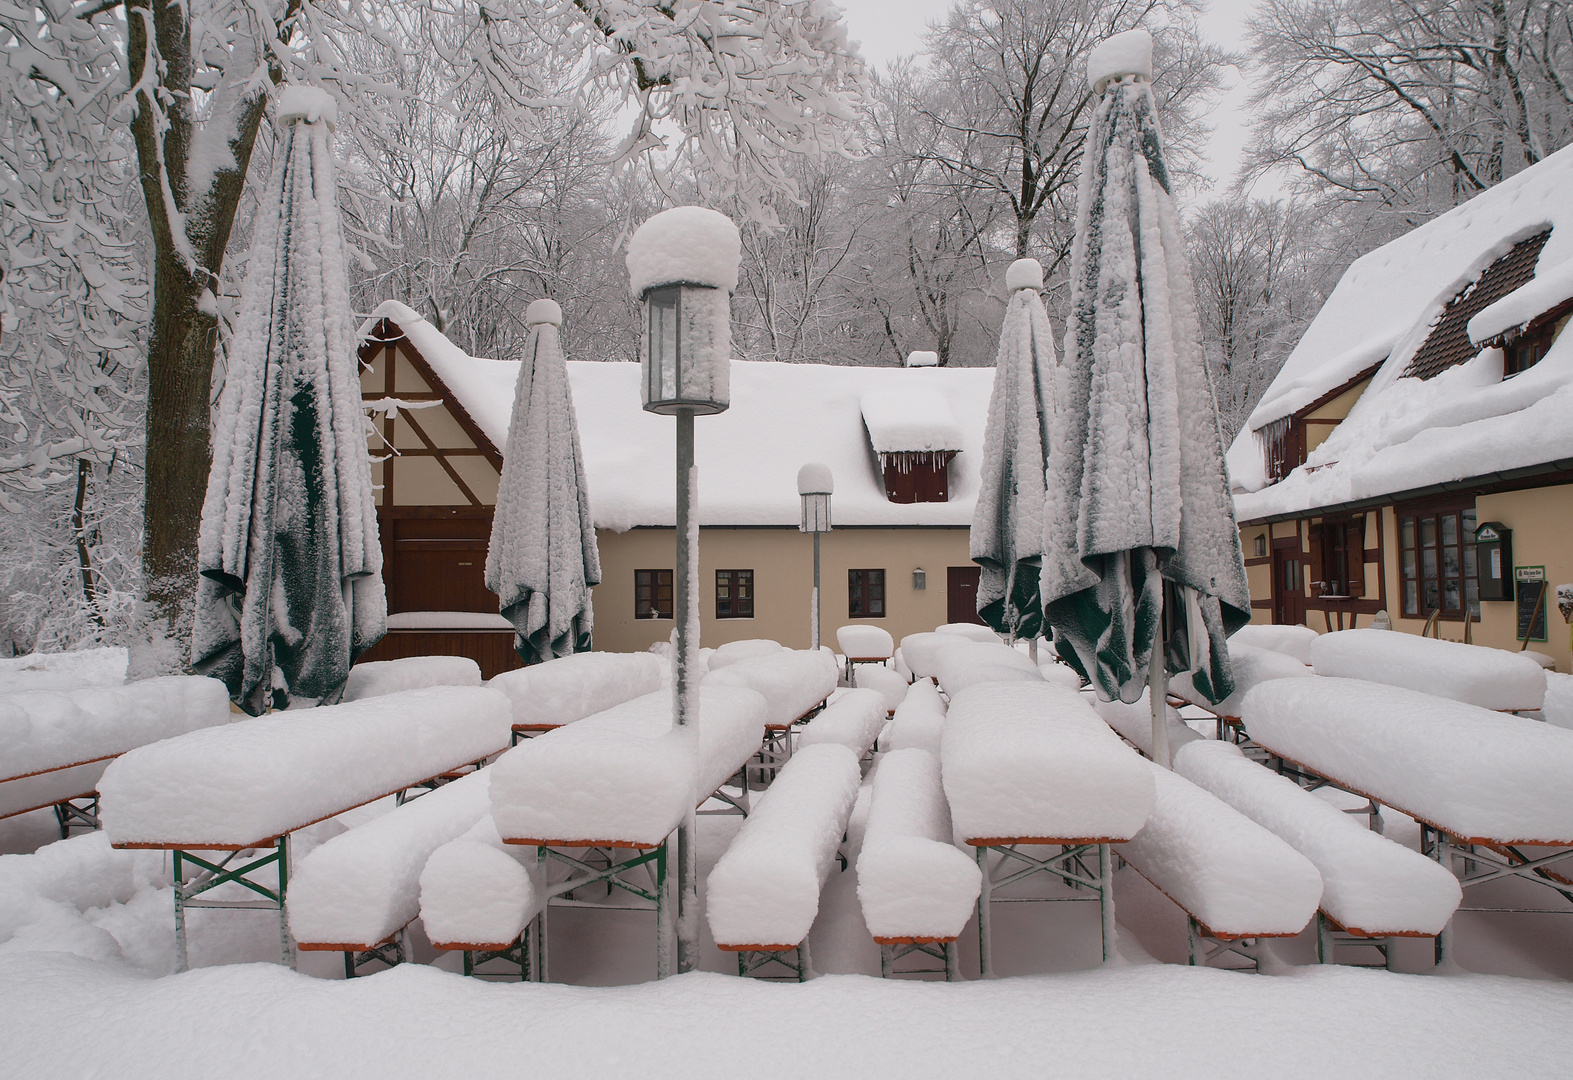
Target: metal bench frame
(1068, 865)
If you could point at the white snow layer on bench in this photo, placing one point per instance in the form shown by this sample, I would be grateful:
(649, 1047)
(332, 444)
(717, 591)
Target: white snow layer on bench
(47, 788)
(379, 677)
(1292, 641)
(892, 687)
(970, 631)
(1490, 678)
(257, 779)
(1233, 876)
(975, 662)
(1034, 761)
(919, 719)
(1250, 666)
(48, 729)
(1060, 674)
(43, 895)
(792, 681)
(64, 671)
(913, 882)
(1134, 722)
(625, 775)
(865, 641)
(570, 688)
(1476, 773)
(478, 892)
(1558, 706)
(1370, 885)
(853, 719)
(765, 889)
(733, 651)
(921, 652)
(364, 885)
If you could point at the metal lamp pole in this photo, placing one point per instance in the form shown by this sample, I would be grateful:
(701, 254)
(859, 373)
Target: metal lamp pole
(815, 485)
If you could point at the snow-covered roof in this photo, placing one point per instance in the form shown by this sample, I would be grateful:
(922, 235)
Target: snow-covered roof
(1405, 433)
(782, 415)
(911, 416)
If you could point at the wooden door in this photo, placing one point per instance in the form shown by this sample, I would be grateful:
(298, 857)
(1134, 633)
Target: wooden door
(961, 594)
(1288, 583)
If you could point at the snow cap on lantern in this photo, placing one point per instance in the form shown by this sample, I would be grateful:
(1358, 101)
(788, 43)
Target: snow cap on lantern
(1024, 274)
(544, 310)
(815, 485)
(683, 264)
(1129, 53)
(922, 358)
(309, 103)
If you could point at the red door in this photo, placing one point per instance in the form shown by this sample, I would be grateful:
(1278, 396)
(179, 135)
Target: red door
(961, 594)
(1288, 583)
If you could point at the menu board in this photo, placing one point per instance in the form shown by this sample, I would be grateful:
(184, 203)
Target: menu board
(1532, 602)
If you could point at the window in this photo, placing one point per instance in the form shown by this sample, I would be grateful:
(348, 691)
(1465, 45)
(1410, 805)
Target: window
(1338, 555)
(916, 477)
(866, 594)
(652, 594)
(1437, 561)
(1526, 352)
(1283, 443)
(734, 594)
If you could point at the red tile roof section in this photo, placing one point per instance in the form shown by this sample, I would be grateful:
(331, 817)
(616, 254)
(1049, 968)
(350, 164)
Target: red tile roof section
(1448, 343)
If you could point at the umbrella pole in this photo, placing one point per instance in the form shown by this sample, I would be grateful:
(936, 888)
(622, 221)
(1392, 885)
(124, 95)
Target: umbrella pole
(1158, 693)
(687, 600)
(814, 614)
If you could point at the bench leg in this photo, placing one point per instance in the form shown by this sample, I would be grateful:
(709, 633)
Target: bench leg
(1106, 901)
(1324, 940)
(1193, 937)
(985, 940)
(540, 920)
(952, 962)
(182, 961)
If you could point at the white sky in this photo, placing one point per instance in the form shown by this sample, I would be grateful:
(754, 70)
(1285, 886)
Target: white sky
(891, 28)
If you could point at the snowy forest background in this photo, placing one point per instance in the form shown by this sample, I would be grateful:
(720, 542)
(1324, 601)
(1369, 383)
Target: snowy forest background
(492, 155)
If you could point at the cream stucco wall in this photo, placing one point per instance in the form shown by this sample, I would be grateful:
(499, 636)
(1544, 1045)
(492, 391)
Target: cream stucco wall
(783, 564)
(1335, 410)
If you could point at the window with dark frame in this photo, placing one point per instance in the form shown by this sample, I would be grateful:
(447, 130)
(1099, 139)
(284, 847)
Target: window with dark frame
(1526, 352)
(652, 594)
(1437, 561)
(734, 594)
(866, 594)
(1338, 555)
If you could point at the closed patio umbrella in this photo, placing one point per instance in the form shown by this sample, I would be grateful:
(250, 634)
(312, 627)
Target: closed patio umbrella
(291, 569)
(1007, 523)
(543, 556)
(1137, 491)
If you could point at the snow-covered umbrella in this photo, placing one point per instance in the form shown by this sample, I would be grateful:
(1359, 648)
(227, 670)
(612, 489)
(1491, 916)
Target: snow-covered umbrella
(1007, 523)
(543, 557)
(1137, 490)
(291, 569)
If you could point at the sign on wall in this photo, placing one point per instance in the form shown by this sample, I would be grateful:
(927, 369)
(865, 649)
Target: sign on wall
(1532, 602)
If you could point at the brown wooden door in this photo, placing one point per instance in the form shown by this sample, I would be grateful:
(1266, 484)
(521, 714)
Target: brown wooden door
(1288, 583)
(961, 594)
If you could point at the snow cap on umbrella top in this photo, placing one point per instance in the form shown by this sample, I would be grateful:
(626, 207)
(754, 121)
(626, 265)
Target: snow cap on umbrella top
(922, 358)
(309, 103)
(1024, 274)
(544, 310)
(687, 245)
(814, 479)
(1129, 53)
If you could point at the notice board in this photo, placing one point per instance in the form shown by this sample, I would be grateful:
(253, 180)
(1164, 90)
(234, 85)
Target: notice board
(1532, 602)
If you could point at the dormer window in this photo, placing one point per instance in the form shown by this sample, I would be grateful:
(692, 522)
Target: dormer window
(914, 435)
(1526, 352)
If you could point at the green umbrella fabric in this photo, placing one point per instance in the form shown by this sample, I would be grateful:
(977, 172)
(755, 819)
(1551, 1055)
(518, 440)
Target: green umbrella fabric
(1007, 523)
(291, 588)
(1137, 491)
(543, 558)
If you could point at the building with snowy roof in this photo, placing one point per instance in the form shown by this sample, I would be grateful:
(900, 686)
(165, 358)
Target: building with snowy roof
(1415, 453)
(902, 444)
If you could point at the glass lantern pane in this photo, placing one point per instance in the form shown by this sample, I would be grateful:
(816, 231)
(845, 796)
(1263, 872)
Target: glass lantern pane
(662, 305)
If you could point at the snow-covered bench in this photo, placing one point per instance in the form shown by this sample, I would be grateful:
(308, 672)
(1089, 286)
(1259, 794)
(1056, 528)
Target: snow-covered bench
(854, 718)
(1250, 666)
(1491, 784)
(1475, 674)
(248, 785)
(763, 894)
(623, 780)
(919, 719)
(970, 631)
(863, 644)
(916, 888)
(746, 649)
(892, 685)
(1032, 764)
(1236, 882)
(570, 688)
(794, 683)
(1133, 721)
(1292, 641)
(920, 652)
(1372, 888)
(55, 744)
(480, 896)
(356, 893)
(378, 677)
(973, 663)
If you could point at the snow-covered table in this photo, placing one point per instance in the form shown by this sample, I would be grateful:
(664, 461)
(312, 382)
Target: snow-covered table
(1488, 787)
(1475, 674)
(247, 786)
(55, 744)
(1029, 764)
(570, 688)
(795, 684)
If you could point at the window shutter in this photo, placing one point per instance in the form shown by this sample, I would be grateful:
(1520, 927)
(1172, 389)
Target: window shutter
(1315, 570)
(1354, 547)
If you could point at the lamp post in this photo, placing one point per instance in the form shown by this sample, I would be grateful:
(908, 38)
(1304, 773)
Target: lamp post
(682, 264)
(815, 485)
